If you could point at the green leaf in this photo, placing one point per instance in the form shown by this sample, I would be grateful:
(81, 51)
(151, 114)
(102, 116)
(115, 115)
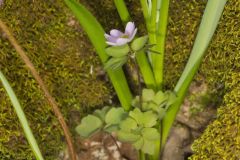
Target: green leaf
(89, 125)
(137, 115)
(111, 128)
(148, 147)
(151, 106)
(159, 98)
(147, 95)
(151, 134)
(141, 57)
(146, 106)
(22, 118)
(115, 63)
(128, 124)
(136, 102)
(118, 51)
(207, 28)
(139, 43)
(115, 116)
(101, 113)
(171, 97)
(127, 136)
(161, 113)
(95, 33)
(138, 144)
(149, 119)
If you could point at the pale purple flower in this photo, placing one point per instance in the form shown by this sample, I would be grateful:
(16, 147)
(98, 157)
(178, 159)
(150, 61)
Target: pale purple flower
(118, 38)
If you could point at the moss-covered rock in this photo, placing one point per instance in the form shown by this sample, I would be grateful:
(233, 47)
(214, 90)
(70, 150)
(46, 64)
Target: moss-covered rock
(220, 69)
(221, 138)
(61, 53)
(63, 56)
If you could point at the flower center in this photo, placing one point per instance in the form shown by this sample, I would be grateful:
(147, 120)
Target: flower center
(124, 36)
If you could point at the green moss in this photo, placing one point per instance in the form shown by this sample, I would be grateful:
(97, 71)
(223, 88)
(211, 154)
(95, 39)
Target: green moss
(61, 53)
(221, 138)
(220, 69)
(63, 56)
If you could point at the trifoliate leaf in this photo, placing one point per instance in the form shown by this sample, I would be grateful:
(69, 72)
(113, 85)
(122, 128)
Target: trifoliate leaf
(138, 144)
(159, 98)
(145, 106)
(115, 63)
(127, 136)
(148, 147)
(136, 102)
(171, 97)
(128, 124)
(137, 115)
(111, 128)
(118, 51)
(150, 134)
(161, 113)
(139, 43)
(147, 95)
(101, 113)
(115, 116)
(149, 119)
(89, 125)
(152, 106)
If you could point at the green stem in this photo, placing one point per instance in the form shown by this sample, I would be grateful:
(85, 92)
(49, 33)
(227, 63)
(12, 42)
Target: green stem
(144, 5)
(22, 118)
(146, 70)
(141, 57)
(207, 28)
(158, 59)
(122, 10)
(95, 33)
(142, 156)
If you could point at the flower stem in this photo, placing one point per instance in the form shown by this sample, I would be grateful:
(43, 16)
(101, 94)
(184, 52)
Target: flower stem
(118, 148)
(139, 80)
(141, 57)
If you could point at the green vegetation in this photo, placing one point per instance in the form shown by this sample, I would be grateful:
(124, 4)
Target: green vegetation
(63, 56)
(220, 69)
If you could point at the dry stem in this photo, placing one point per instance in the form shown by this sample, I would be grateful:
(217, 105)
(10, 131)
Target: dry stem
(50, 99)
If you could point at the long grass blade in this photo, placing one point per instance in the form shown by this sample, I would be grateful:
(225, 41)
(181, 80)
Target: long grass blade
(95, 33)
(142, 58)
(122, 10)
(207, 28)
(158, 59)
(22, 118)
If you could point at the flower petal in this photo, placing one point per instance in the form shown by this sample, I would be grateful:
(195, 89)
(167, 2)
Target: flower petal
(133, 35)
(111, 44)
(106, 35)
(122, 41)
(130, 27)
(116, 33)
(112, 39)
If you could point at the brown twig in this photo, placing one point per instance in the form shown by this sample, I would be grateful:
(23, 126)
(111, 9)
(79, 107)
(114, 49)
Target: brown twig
(50, 99)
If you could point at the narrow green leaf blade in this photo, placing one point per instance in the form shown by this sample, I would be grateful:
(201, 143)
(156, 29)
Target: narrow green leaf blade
(22, 118)
(95, 33)
(207, 28)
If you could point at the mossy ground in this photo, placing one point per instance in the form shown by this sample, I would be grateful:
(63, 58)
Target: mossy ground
(220, 69)
(63, 56)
